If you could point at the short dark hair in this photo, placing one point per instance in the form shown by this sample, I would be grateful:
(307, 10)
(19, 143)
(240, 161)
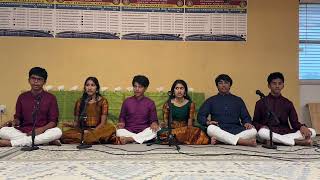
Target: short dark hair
(141, 79)
(223, 77)
(38, 71)
(275, 75)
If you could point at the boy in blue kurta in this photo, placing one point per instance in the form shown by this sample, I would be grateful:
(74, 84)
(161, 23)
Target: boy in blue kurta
(226, 111)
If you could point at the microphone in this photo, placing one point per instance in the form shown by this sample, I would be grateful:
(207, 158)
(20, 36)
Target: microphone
(83, 113)
(272, 120)
(35, 111)
(83, 119)
(38, 98)
(89, 98)
(37, 105)
(258, 92)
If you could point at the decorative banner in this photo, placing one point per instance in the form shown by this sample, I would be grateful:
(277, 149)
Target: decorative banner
(32, 18)
(98, 19)
(152, 19)
(178, 20)
(215, 20)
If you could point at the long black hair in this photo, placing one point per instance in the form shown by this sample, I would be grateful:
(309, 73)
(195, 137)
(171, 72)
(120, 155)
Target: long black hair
(184, 84)
(85, 95)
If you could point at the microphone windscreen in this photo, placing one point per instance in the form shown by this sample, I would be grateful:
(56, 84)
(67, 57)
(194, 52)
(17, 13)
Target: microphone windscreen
(258, 92)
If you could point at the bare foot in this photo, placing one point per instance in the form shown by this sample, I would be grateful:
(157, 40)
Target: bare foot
(267, 142)
(123, 140)
(55, 142)
(304, 142)
(5, 143)
(247, 142)
(214, 141)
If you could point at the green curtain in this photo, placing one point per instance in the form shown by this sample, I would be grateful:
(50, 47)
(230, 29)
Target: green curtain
(66, 101)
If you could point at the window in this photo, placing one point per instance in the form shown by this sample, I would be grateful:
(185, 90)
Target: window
(309, 42)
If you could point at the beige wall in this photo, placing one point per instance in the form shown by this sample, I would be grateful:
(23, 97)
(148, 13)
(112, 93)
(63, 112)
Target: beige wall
(272, 46)
(309, 93)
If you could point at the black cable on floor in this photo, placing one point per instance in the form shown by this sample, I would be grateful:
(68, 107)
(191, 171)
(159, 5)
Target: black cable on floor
(197, 154)
(158, 148)
(253, 151)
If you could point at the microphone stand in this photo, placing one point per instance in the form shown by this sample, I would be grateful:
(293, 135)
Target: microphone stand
(171, 137)
(82, 119)
(33, 133)
(270, 115)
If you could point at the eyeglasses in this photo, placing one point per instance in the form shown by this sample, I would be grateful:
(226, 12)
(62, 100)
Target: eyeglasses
(32, 78)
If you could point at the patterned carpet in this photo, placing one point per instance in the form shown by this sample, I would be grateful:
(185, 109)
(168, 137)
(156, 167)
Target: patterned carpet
(136, 161)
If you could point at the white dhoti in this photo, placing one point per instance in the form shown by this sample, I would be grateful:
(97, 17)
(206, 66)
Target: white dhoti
(286, 139)
(228, 138)
(145, 135)
(18, 138)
